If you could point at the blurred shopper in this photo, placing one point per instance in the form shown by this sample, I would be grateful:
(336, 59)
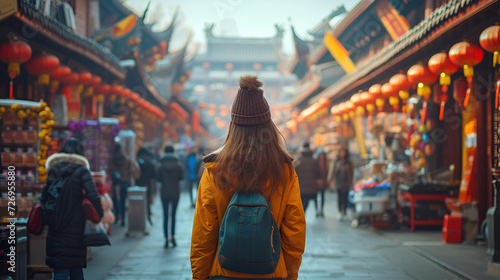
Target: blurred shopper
(193, 162)
(309, 173)
(253, 160)
(108, 216)
(147, 178)
(341, 174)
(125, 170)
(69, 182)
(169, 173)
(322, 183)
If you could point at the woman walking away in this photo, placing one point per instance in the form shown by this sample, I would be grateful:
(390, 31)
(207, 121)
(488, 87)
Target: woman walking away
(342, 173)
(127, 171)
(249, 222)
(309, 173)
(68, 183)
(169, 174)
(322, 183)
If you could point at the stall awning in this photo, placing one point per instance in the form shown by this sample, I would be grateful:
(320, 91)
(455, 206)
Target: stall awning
(310, 111)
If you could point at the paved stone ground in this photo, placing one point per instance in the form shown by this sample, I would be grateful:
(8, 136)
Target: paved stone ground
(334, 250)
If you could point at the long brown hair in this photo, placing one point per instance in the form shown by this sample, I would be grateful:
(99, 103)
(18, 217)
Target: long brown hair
(253, 157)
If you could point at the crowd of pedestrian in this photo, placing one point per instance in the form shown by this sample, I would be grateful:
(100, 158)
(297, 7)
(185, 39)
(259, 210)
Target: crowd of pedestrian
(248, 172)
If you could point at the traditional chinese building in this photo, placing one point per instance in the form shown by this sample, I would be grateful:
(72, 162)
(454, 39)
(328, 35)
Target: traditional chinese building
(215, 74)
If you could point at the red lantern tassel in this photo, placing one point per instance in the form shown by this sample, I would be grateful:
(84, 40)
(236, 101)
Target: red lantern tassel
(11, 89)
(469, 89)
(345, 130)
(497, 89)
(370, 120)
(424, 112)
(441, 110)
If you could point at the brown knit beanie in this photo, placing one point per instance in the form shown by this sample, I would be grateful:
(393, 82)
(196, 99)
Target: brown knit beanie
(250, 107)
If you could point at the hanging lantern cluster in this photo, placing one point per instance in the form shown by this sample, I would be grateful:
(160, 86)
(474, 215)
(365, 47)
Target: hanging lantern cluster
(490, 41)
(441, 65)
(42, 66)
(13, 53)
(466, 55)
(423, 78)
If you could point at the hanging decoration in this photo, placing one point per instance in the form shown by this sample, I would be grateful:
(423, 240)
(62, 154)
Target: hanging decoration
(337, 115)
(116, 91)
(377, 94)
(55, 77)
(14, 52)
(466, 55)
(390, 93)
(421, 76)
(440, 64)
(400, 84)
(490, 41)
(348, 111)
(368, 100)
(42, 66)
(101, 91)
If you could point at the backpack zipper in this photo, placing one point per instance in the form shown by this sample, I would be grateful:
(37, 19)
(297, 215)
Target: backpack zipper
(272, 244)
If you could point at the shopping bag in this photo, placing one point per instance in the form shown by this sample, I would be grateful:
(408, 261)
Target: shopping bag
(89, 211)
(95, 235)
(35, 220)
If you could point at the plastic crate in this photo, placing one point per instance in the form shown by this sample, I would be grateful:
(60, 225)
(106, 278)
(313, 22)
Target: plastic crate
(452, 222)
(452, 235)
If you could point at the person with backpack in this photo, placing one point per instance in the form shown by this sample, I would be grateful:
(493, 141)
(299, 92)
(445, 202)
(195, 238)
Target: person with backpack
(309, 173)
(342, 174)
(69, 181)
(249, 221)
(147, 178)
(170, 173)
(125, 171)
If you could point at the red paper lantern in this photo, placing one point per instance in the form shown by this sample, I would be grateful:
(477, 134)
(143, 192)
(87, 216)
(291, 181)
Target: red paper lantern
(61, 73)
(14, 53)
(96, 81)
(126, 93)
(202, 105)
(71, 79)
(400, 83)
(490, 41)
(85, 78)
(466, 55)
(103, 89)
(441, 65)
(375, 91)
(420, 75)
(42, 66)
(387, 90)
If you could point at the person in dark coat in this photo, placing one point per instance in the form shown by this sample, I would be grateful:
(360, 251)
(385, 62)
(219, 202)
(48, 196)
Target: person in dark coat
(308, 171)
(69, 181)
(169, 173)
(127, 171)
(342, 174)
(144, 158)
(193, 162)
(322, 183)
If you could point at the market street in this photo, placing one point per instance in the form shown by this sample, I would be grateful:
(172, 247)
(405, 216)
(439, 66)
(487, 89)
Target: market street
(334, 250)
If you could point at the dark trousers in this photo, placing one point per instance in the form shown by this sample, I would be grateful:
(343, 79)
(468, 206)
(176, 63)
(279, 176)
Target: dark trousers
(305, 199)
(173, 204)
(124, 185)
(322, 204)
(342, 200)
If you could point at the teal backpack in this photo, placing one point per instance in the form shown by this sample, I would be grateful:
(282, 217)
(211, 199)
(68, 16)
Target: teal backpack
(249, 239)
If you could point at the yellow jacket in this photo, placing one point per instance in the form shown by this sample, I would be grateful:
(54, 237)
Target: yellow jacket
(211, 205)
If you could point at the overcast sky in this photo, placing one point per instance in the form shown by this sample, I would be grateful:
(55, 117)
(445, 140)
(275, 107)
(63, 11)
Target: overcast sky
(245, 18)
